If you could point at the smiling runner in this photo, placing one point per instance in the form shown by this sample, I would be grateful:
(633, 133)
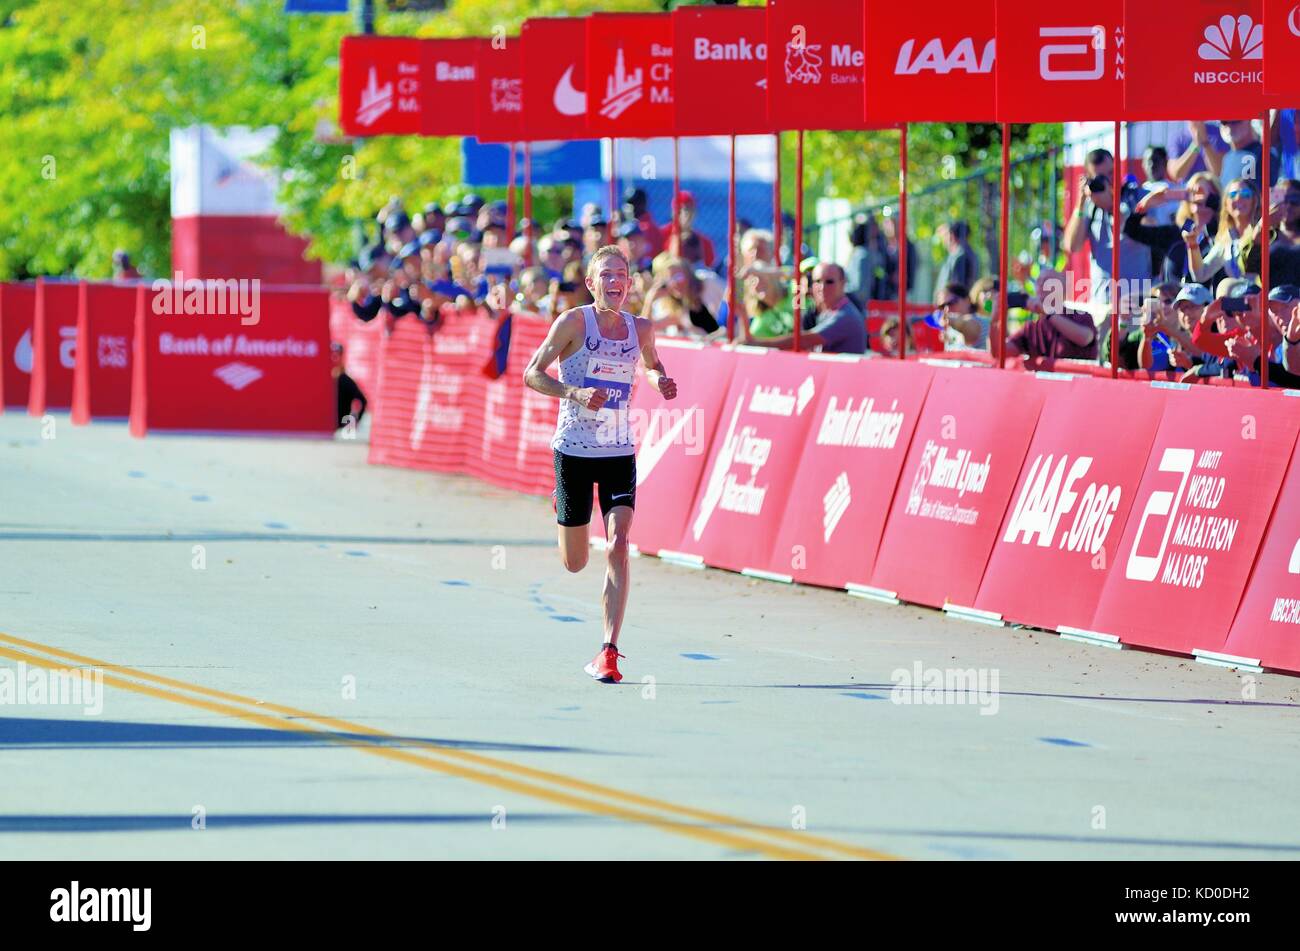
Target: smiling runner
(597, 346)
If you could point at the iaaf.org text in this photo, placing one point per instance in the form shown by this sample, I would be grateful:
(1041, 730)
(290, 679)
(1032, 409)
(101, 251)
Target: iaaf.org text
(210, 298)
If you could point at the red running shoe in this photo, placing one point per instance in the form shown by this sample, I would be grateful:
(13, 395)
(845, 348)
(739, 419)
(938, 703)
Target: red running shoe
(605, 667)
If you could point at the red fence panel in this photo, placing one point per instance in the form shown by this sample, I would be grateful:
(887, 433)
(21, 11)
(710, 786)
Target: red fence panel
(1060, 535)
(54, 346)
(765, 418)
(17, 309)
(1197, 521)
(848, 470)
(955, 486)
(105, 332)
(1267, 627)
(266, 371)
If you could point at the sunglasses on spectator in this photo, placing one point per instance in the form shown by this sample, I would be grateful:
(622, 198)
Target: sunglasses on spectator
(952, 302)
(1242, 193)
(825, 280)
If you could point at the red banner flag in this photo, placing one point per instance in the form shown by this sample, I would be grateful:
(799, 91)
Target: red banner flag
(555, 78)
(721, 48)
(814, 64)
(380, 85)
(1282, 51)
(933, 62)
(449, 87)
(1209, 56)
(1057, 64)
(500, 91)
(630, 69)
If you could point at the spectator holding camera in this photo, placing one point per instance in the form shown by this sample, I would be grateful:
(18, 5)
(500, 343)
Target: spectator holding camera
(1092, 225)
(1060, 332)
(1284, 240)
(1196, 222)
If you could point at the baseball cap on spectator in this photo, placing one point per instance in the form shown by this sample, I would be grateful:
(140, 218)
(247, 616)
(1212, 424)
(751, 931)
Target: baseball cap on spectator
(1236, 287)
(683, 198)
(629, 229)
(808, 263)
(397, 221)
(472, 201)
(1197, 294)
(597, 221)
(409, 250)
(499, 270)
(432, 208)
(428, 237)
(460, 227)
(1286, 293)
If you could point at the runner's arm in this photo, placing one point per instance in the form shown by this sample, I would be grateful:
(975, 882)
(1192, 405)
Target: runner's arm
(655, 372)
(560, 336)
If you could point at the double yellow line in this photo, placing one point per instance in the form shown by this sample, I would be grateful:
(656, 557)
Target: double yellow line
(556, 788)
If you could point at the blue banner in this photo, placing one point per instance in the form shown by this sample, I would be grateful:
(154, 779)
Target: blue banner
(315, 6)
(554, 163)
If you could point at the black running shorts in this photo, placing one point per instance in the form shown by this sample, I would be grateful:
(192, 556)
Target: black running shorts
(576, 475)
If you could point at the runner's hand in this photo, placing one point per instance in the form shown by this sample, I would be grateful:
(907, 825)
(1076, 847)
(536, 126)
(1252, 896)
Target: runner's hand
(667, 388)
(591, 397)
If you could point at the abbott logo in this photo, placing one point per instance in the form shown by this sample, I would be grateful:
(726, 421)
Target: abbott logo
(623, 89)
(237, 376)
(1094, 38)
(1232, 39)
(1161, 504)
(375, 99)
(803, 63)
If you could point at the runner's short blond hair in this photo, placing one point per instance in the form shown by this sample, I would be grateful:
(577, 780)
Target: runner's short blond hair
(604, 252)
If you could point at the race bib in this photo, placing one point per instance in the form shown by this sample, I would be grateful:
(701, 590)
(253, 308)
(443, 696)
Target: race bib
(612, 377)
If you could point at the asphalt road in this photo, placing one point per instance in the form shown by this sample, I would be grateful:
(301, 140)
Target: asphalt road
(303, 656)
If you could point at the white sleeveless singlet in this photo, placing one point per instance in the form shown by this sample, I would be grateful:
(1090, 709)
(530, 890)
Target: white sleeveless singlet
(603, 363)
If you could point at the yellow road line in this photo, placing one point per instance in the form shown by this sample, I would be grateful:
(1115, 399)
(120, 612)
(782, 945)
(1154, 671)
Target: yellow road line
(793, 844)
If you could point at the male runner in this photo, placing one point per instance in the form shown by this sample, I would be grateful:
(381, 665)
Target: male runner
(597, 348)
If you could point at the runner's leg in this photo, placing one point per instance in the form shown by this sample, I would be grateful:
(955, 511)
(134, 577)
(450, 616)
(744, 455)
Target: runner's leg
(618, 522)
(573, 486)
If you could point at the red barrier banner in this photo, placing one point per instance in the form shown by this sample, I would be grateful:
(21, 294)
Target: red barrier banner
(1197, 521)
(752, 460)
(1282, 51)
(1267, 627)
(555, 78)
(381, 85)
(54, 346)
(500, 91)
(361, 351)
(814, 64)
(630, 75)
(1060, 534)
(1210, 54)
(721, 48)
(212, 358)
(1058, 63)
(673, 438)
(102, 375)
(428, 382)
(848, 470)
(533, 467)
(963, 463)
(17, 310)
(929, 62)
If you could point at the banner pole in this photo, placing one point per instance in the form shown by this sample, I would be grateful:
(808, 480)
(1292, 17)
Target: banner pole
(1000, 325)
(732, 245)
(613, 192)
(1264, 349)
(902, 241)
(677, 190)
(776, 196)
(797, 240)
(510, 196)
(1114, 258)
(528, 202)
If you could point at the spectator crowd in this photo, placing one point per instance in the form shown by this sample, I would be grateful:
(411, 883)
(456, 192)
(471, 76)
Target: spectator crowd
(1190, 254)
